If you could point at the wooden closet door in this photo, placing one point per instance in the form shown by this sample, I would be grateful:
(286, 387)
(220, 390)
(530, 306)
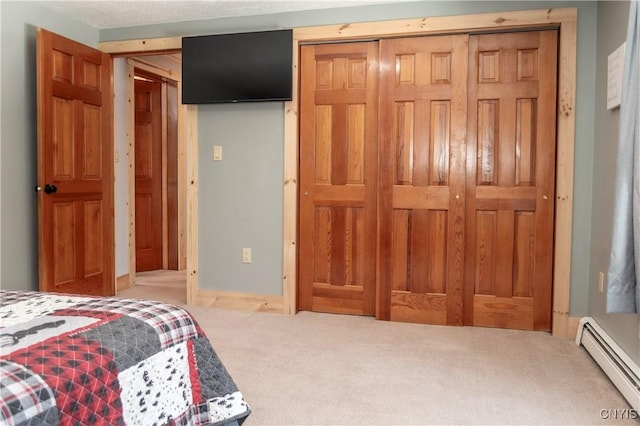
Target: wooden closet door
(423, 126)
(338, 177)
(510, 190)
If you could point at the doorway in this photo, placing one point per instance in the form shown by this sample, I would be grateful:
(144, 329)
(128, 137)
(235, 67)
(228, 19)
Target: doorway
(157, 188)
(150, 143)
(156, 179)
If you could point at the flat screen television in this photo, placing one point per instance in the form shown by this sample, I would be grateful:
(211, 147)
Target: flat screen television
(240, 67)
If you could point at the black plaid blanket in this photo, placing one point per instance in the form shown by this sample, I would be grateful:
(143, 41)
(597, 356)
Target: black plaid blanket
(83, 360)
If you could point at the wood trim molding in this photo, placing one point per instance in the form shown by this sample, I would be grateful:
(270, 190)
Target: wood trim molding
(131, 166)
(240, 301)
(186, 113)
(156, 69)
(165, 206)
(188, 131)
(145, 45)
(566, 121)
(437, 25)
(290, 210)
(573, 323)
(123, 282)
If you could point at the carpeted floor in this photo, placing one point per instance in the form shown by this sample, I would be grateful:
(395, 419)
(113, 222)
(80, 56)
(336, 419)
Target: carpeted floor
(313, 368)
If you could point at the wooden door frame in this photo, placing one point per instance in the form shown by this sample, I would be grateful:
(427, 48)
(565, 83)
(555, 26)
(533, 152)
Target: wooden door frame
(185, 121)
(136, 66)
(565, 19)
(187, 142)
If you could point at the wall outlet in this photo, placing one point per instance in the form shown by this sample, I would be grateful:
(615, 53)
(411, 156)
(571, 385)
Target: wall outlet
(246, 255)
(601, 282)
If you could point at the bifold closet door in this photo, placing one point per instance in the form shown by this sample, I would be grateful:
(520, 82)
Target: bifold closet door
(338, 177)
(510, 186)
(423, 126)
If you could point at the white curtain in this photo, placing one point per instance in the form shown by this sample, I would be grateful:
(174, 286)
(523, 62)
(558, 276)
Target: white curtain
(623, 290)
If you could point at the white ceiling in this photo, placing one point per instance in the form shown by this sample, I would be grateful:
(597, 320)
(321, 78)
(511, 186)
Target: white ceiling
(125, 13)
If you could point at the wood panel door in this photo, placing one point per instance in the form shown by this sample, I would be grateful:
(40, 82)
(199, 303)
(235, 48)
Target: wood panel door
(338, 177)
(75, 167)
(423, 122)
(148, 175)
(510, 187)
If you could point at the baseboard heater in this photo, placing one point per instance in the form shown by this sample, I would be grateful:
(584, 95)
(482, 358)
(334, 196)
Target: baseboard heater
(621, 369)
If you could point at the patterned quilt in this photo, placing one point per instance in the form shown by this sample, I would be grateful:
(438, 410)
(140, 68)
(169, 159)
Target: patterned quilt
(78, 360)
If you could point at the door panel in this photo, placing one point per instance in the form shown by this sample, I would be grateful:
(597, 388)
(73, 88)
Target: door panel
(510, 193)
(148, 175)
(338, 153)
(75, 154)
(465, 169)
(421, 205)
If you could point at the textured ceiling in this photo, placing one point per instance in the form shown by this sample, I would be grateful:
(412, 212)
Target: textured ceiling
(125, 13)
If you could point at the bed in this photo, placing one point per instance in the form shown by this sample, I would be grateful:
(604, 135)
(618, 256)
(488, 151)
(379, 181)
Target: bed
(67, 359)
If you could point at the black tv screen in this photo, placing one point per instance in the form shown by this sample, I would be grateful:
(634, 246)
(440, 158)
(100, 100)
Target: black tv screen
(241, 67)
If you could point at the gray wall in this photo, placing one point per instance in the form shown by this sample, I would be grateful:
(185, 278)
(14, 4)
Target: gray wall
(240, 198)
(18, 229)
(220, 242)
(612, 24)
(222, 238)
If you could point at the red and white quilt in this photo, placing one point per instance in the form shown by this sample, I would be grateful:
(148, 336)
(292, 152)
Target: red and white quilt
(84, 360)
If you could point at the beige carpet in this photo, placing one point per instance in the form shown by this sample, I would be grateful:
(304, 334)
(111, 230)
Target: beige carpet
(165, 286)
(336, 369)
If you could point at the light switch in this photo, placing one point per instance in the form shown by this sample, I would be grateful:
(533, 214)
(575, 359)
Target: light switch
(217, 153)
(246, 255)
(601, 282)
